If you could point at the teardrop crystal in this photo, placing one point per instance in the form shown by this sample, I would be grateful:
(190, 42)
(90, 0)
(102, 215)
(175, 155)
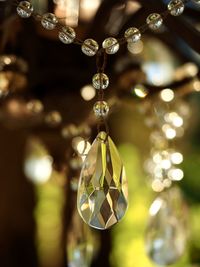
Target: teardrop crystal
(103, 191)
(166, 233)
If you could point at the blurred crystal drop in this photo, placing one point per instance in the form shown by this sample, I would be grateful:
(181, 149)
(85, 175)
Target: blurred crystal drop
(24, 9)
(110, 45)
(103, 191)
(90, 47)
(100, 81)
(82, 243)
(67, 35)
(154, 21)
(132, 35)
(49, 21)
(176, 7)
(166, 234)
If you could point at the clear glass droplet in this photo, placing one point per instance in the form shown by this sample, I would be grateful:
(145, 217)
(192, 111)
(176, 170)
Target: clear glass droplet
(176, 7)
(24, 9)
(132, 35)
(90, 47)
(166, 234)
(49, 21)
(67, 35)
(101, 109)
(154, 21)
(110, 45)
(100, 81)
(103, 191)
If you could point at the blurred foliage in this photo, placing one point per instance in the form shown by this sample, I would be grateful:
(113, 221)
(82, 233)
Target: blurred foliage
(49, 223)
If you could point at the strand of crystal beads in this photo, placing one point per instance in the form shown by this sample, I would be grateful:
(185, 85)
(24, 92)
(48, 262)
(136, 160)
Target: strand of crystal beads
(100, 82)
(111, 45)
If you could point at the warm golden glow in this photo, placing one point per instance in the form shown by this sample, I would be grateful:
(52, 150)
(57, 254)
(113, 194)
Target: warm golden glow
(196, 85)
(88, 92)
(135, 48)
(140, 91)
(176, 158)
(190, 69)
(157, 185)
(69, 10)
(88, 9)
(155, 206)
(167, 95)
(169, 132)
(175, 174)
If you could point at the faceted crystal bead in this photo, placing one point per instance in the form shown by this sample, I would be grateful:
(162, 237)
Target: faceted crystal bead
(154, 21)
(100, 81)
(176, 7)
(132, 35)
(101, 109)
(103, 192)
(67, 35)
(166, 233)
(49, 21)
(24, 9)
(110, 45)
(90, 47)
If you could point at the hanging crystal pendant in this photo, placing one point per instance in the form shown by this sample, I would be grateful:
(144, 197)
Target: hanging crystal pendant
(166, 233)
(103, 190)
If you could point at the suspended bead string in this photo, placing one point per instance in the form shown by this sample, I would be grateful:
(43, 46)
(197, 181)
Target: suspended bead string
(101, 61)
(110, 45)
(100, 82)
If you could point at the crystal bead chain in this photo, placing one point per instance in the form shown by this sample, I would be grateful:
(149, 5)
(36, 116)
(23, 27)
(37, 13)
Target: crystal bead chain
(110, 45)
(100, 82)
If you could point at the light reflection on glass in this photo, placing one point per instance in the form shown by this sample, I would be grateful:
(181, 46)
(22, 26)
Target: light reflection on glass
(88, 92)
